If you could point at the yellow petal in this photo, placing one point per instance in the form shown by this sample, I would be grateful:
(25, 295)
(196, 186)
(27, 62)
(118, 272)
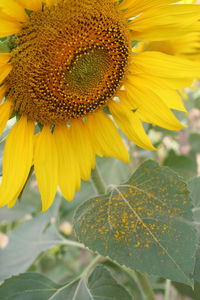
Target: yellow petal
(4, 58)
(169, 15)
(83, 149)
(5, 70)
(160, 33)
(14, 10)
(169, 96)
(105, 137)
(32, 5)
(151, 108)
(129, 122)
(35, 4)
(164, 65)
(136, 7)
(8, 25)
(68, 169)
(5, 67)
(187, 44)
(169, 83)
(5, 112)
(46, 166)
(2, 92)
(166, 22)
(189, 1)
(49, 2)
(17, 160)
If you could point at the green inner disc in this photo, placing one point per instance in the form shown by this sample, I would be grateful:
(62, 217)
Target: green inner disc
(87, 70)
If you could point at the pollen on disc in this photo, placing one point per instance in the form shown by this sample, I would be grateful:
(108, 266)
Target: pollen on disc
(70, 59)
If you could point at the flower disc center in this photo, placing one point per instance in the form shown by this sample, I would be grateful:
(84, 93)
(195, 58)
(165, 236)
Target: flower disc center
(87, 71)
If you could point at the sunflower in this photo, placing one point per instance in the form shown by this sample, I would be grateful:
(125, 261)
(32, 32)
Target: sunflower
(72, 73)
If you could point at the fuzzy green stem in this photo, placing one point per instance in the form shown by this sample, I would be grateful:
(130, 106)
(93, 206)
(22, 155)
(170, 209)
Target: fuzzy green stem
(167, 289)
(73, 244)
(91, 266)
(97, 181)
(145, 286)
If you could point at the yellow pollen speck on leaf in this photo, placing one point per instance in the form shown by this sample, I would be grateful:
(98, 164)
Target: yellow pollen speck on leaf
(137, 245)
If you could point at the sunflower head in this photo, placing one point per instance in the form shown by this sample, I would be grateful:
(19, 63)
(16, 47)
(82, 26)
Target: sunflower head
(69, 60)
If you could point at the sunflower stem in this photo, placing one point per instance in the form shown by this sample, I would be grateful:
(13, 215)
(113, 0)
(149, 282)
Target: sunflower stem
(73, 244)
(97, 181)
(145, 286)
(167, 289)
(91, 266)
